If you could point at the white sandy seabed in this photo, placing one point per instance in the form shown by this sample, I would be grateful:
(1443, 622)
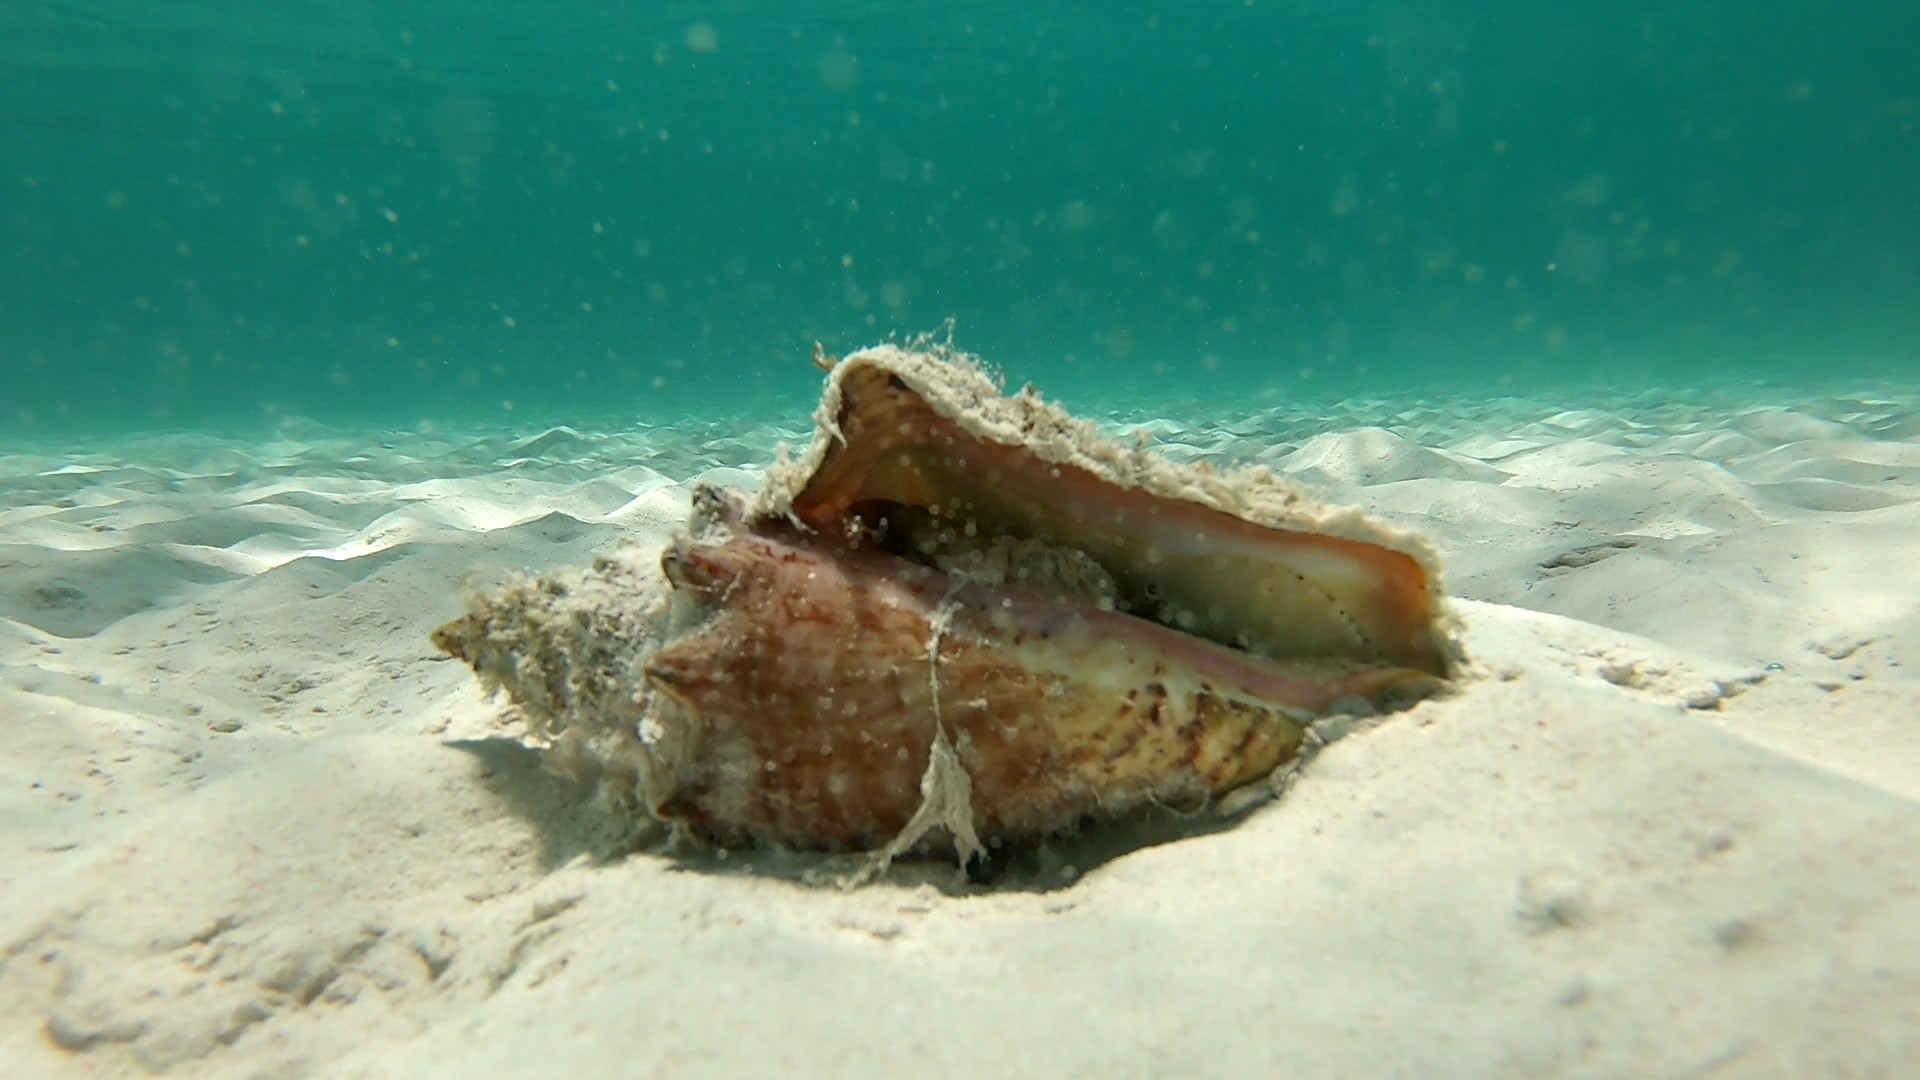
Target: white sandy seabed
(252, 826)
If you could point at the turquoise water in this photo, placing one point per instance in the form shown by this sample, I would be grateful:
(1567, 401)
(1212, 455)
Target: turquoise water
(219, 212)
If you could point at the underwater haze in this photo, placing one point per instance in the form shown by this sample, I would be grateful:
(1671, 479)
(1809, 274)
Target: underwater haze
(218, 213)
(1473, 554)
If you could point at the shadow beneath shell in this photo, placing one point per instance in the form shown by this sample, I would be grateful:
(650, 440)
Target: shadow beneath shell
(562, 811)
(1031, 866)
(571, 826)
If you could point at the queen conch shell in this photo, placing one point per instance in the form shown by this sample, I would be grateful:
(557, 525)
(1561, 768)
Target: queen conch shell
(962, 618)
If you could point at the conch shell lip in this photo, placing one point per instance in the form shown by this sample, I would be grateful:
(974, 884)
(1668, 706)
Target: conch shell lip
(1270, 578)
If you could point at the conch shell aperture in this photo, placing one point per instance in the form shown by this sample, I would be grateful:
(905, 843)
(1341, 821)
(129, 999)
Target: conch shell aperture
(962, 618)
